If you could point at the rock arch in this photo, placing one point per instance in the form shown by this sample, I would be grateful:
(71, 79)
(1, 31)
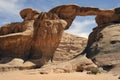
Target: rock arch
(38, 36)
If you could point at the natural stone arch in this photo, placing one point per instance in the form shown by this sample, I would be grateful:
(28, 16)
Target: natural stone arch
(39, 34)
(69, 12)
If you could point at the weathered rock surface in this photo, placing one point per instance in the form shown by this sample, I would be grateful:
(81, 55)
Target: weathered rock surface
(39, 34)
(104, 47)
(15, 39)
(33, 38)
(69, 12)
(36, 38)
(79, 64)
(70, 45)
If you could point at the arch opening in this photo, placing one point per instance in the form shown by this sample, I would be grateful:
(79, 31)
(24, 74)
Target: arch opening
(82, 26)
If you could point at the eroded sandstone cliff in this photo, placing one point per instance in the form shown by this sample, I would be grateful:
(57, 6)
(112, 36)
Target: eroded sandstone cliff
(70, 46)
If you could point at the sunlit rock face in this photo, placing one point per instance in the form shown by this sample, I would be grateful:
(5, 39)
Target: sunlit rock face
(105, 50)
(39, 35)
(107, 40)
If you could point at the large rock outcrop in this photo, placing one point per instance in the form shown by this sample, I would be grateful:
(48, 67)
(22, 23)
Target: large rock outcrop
(70, 45)
(105, 50)
(39, 35)
(33, 38)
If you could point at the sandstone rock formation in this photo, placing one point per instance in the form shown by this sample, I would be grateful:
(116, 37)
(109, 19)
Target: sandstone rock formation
(80, 64)
(33, 38)
(70, 46)
(105, 50)
(38, 36)
(69, 12)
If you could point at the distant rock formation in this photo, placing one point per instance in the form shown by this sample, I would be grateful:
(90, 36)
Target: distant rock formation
(70, 46)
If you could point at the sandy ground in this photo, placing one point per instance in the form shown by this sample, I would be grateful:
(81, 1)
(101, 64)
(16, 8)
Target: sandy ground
(34, 75)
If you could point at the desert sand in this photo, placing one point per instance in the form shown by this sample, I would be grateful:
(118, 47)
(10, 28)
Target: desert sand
(35, 75)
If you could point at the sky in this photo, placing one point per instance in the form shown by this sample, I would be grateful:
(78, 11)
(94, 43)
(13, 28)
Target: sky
(81, 26)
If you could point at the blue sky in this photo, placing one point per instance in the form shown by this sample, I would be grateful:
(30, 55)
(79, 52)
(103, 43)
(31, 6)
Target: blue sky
(82, 26)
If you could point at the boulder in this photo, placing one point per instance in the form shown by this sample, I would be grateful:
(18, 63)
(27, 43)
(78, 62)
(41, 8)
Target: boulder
(104, 46)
